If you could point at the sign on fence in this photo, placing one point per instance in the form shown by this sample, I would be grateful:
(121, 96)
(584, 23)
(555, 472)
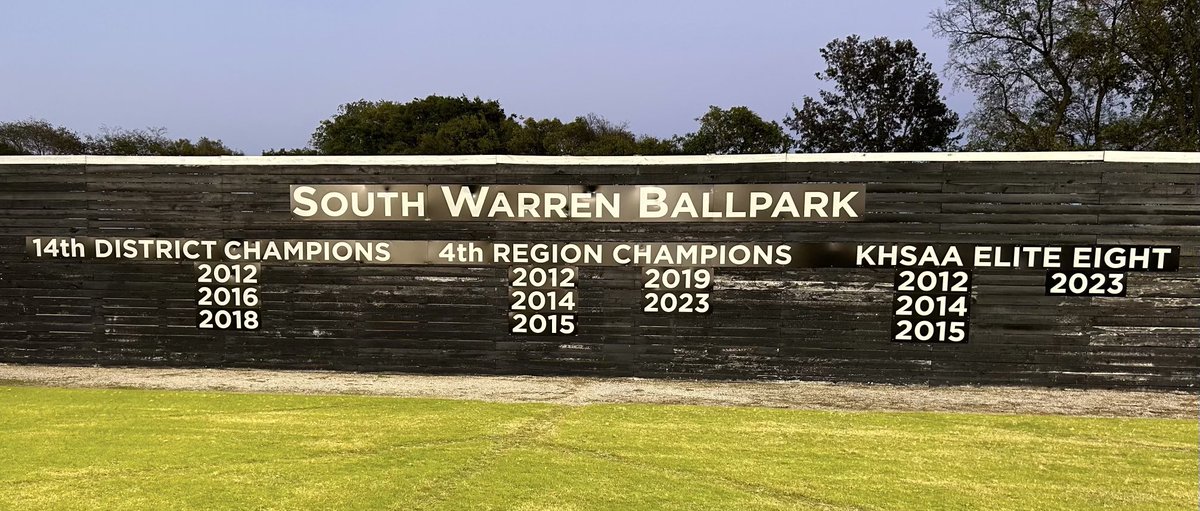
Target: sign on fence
(1069, 273)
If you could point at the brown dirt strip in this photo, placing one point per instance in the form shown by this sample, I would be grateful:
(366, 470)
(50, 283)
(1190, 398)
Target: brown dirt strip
(582, 391)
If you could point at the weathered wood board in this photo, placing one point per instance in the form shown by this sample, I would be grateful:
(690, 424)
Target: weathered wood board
(765, 323)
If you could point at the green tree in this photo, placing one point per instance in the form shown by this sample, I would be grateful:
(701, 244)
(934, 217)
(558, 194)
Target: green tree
(1077, 74)
(203, 146)
(886, 98)
(1161, 41)
(1047, 74)
(735, 131)
(38, 137)
(654, 146)
(433, 125)
(152, 142)
(535, 137)
(459, 125)
(593, 135)
(589, 135)
(299, 151)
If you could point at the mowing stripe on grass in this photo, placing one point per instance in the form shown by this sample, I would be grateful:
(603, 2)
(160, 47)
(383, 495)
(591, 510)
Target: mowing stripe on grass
(138, 449)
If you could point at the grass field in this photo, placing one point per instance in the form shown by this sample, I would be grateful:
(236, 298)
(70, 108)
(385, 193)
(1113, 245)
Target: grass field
(136, 449)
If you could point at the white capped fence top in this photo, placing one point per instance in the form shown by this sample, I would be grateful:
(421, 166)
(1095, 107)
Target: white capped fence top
(1064, 156)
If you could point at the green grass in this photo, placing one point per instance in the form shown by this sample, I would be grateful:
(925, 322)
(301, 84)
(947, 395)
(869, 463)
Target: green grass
(134, 449)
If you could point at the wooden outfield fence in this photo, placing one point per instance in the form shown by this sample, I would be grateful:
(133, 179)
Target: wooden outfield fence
(830, 320)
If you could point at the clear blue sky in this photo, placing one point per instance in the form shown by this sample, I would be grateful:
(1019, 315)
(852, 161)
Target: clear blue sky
(262, 74)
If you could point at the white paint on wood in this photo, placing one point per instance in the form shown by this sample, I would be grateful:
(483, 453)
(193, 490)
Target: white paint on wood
(42, 160)
(1151, 157)
(709, 159)
(1049, 156)
(947, 157)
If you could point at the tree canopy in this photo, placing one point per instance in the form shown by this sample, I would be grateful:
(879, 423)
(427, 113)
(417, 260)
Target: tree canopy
(38, 137)
(152, 142)
(592, 135)
(1077, 74)
(433, 125)
(885, 98)
(461, 125)
(737, 130)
